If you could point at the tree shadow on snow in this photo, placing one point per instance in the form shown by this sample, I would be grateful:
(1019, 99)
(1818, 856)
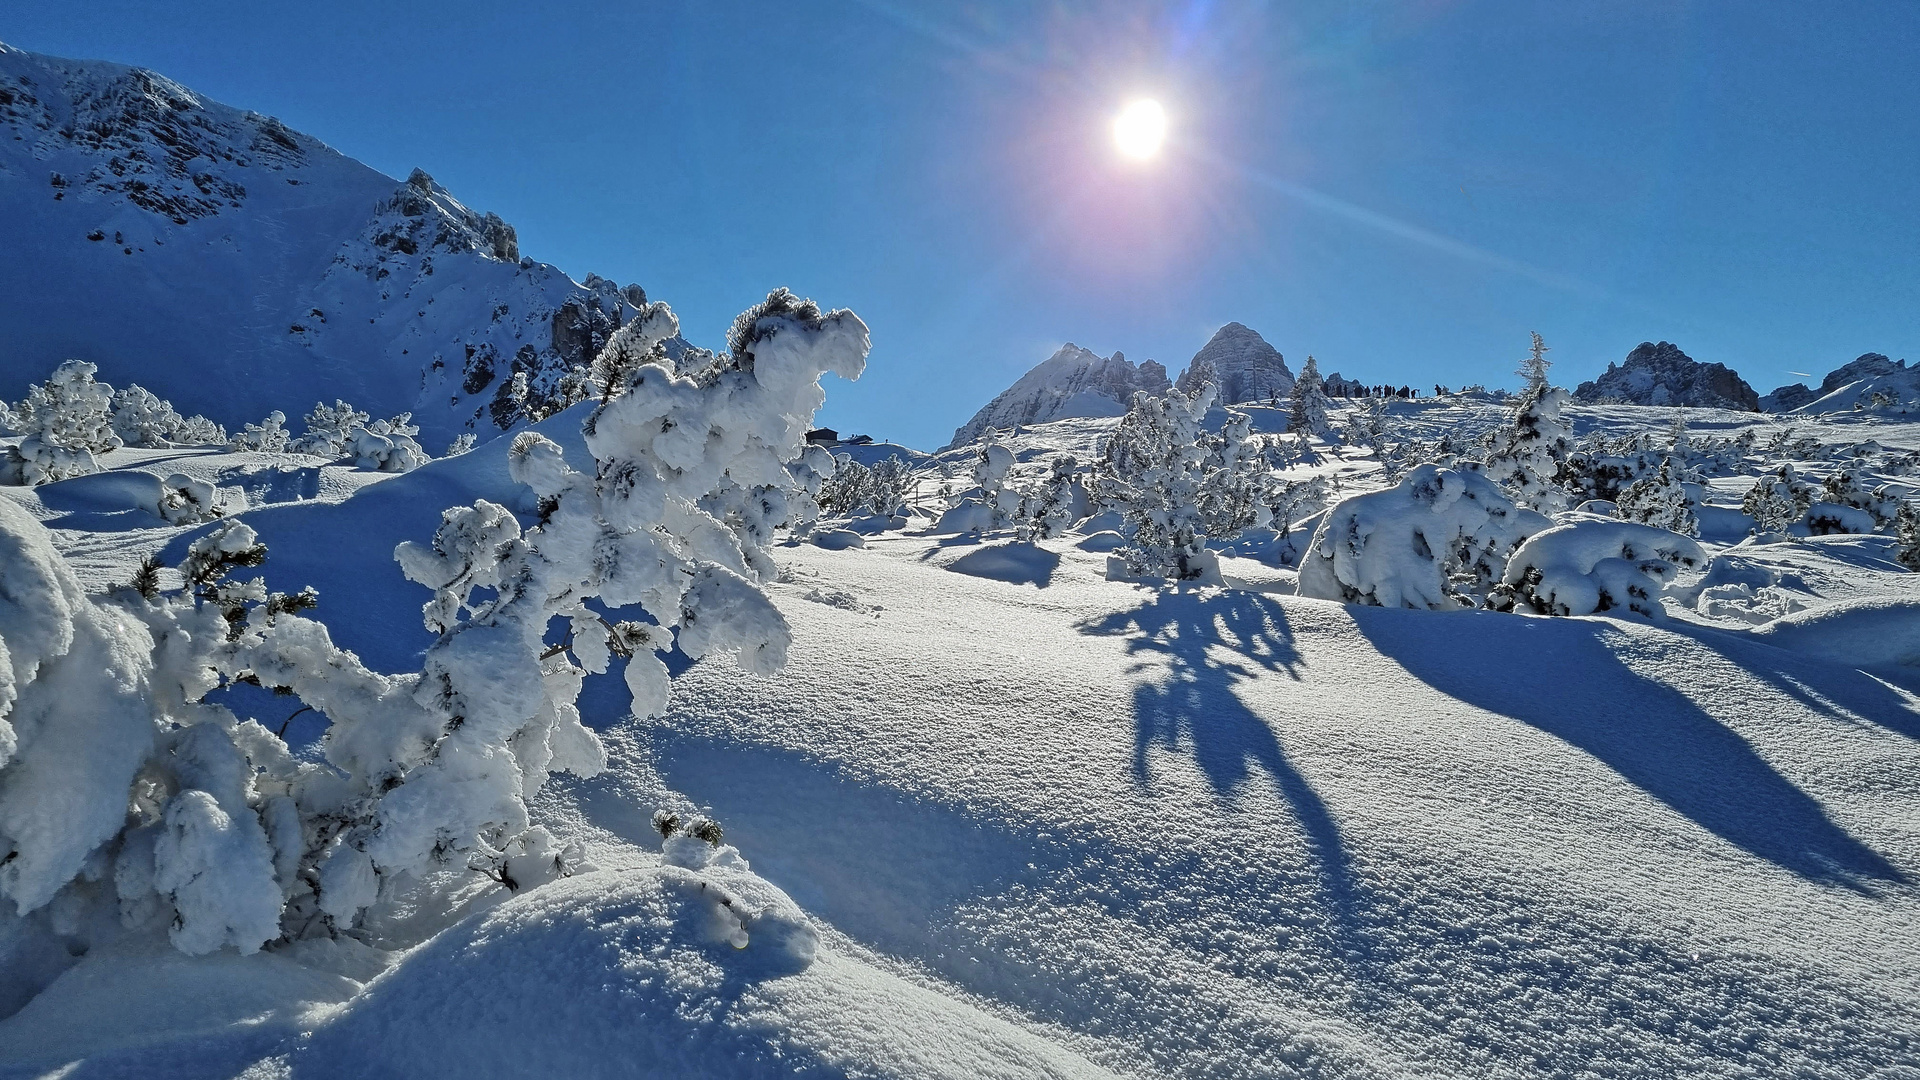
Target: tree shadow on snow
(1196, 711)
(1563, 677)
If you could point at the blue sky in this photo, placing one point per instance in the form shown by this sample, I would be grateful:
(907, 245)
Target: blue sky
(1402, 189)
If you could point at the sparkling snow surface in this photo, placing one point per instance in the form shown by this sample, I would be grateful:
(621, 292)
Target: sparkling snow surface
(1052, 825)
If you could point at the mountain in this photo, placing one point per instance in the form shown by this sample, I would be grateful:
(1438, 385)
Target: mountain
(1858, 384)
(1072, 382)
(235, 266)
(1245, 367)
(1660, 374)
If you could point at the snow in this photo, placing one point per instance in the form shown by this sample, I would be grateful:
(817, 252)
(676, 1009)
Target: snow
(1072, 382)
(1094, 828)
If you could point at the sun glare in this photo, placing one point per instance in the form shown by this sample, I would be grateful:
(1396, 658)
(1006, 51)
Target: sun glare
(1140, 129)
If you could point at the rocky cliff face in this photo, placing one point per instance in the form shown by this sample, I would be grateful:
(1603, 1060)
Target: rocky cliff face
(1072, 382)
(1660, 374)
(1242, 364)
(235, 266)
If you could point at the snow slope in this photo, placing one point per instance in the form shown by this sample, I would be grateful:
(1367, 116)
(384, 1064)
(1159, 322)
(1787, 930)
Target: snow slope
(1051, 825)
(235, 266)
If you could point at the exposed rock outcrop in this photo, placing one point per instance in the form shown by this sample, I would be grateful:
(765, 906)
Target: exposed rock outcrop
(1660, 374)
(1242, 364)
(1072, 382)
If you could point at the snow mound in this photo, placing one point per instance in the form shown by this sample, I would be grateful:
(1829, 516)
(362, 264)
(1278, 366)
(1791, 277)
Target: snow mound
(1016, 564)
(666, 971)
(1879, 632)
(1072, 382)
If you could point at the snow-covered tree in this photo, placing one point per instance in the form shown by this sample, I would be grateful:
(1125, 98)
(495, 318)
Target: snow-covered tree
(386, 445)
(1052, 505)
(197, 430)
(142, 419)
(1906, 538)
(461, 443)
(186, 501)
(1843, 488)
(66, 420)
(1441, 539)
(329, 429)
(1309, 415)
(1588, 566)
(1660, 500)
(1777, 500)
(1525, 456)
(269, 435)
(126, 795)
(1177, 485)
(990, 470)
(1533, 369)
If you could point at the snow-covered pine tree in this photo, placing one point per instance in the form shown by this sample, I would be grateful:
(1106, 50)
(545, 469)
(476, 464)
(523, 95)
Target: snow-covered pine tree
(143, 419)
(461, 443)
(1660, 500)
(1777, 500)
(1048, 509)
(1309, 415)
(65, 420)
(329, 430)
(197, 430)
(848, 489)
(1906, 537)
(990, 470)
(1526, 456)
(1843, 488)
(1533, 369)
(1177, 486)
(269, 435)
(129, 798)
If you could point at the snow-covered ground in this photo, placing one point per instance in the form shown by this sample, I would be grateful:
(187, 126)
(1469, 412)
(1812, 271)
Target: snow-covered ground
(1046, 824)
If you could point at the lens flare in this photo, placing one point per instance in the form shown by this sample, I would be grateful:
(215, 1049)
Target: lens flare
(1140, 129)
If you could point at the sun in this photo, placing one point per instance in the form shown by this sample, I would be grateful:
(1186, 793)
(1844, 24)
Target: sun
(1140, 129)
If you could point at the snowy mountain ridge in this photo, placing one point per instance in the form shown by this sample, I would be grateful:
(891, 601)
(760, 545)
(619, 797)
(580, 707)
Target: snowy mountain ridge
(1242, 364)
(235, 266)
(1072, 382)
(1660, 374)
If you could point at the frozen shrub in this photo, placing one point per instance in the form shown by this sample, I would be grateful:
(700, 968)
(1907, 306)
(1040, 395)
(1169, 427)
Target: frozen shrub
(142, 419)
(329, 430)
(1525, 457)
(1176, 485)
(1777, 500)
(1660, 500)
(1440, 539)
(199, 431)
(186, 501)
(269, 435)
(461, 443)
(990, 471)
(1589, 566)
(1054, 503)
(70, 410)
(848, 489)
(386, 445)
(1906, 538)
(37, 461)
(1843, 488)
(125, 795)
